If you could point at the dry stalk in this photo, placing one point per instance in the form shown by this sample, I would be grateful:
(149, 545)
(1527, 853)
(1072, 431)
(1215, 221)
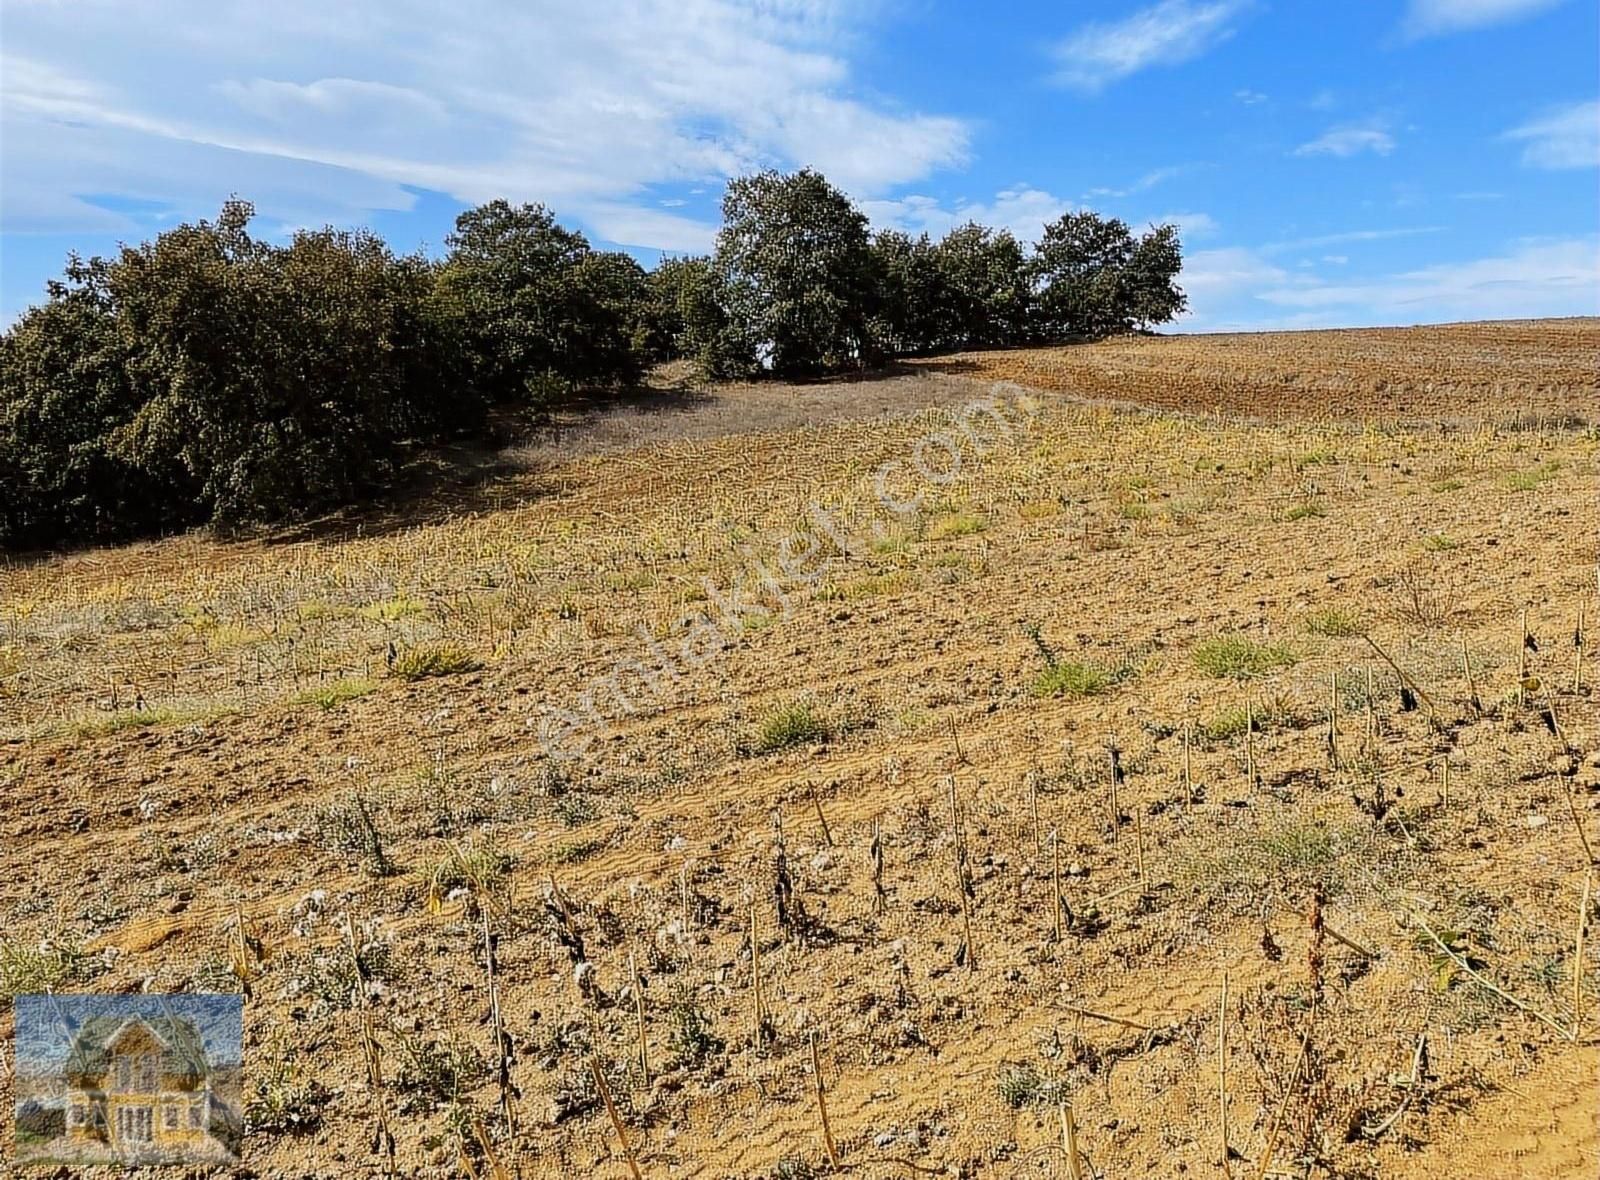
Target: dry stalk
(1069, 1141)
(1188, 776)
(1116, 781)
(638, 1014)
(1055, 884)
(616, 1119)
(1076, 1010)
(1333, 720)
(958, 847)
(242, 961)
(1522, 662)
(1419, 1059)
(816, 802)
(1472, 683)
(482, 1136)
(822, 1104)
(1487, 984)
(1577, 955)
(955, 738)
(383, 1140)
(880, 897)
(1250, 741)
(755, 977)
(1283, 1105)
(497, 1029)
(1138, 836)
(1405, 679)
(1577, 652)
(1033, 808)
(1222, 1079)
(1577, 822)
(1372, 716)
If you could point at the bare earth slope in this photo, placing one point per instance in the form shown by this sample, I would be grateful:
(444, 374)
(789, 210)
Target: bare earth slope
(195, 733)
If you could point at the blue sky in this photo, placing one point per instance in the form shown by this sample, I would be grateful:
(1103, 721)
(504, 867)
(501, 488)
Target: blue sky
(1380, 162)
(43, 1022)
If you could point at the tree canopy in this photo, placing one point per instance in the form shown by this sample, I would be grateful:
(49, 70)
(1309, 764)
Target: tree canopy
(212, 376)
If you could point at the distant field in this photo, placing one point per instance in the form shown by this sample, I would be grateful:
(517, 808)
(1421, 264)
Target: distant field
(1189, 550)
(1476, 371)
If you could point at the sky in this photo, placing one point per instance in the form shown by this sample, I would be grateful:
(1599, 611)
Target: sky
(44, 1023)
(1377, 162)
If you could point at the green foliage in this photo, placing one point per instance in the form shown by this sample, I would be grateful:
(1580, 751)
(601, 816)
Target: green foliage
(692, 323)
(543, 315)
(65, 390)
(30, 968)
(1095, 279)
(797, 271)
(986, 295)
(1240, 658)
(207, 376)
(1336, 623)
(788, 725)
(1071, 679)
(433, 659)
(690, 1033)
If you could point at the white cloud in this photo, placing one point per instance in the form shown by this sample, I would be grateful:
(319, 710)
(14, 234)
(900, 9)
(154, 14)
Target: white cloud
(1534, 278)
(1211, 276)
(1169, 33)
(1190, 225)
(1240, 289)
(584, 104)
(1348, 141)
(1250, 98)
(1148, 180)
(1352, 235)
(1426, 18)
(1024, 210)
(1568, 137)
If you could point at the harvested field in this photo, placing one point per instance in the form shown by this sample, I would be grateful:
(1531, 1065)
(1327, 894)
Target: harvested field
(949, 667)
(1500, 371)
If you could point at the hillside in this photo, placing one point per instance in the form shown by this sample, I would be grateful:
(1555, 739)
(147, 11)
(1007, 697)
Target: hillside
(685, 666)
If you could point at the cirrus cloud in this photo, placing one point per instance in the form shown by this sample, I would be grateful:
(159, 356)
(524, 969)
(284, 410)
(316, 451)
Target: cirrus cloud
(1170, 33)
(1567, 137)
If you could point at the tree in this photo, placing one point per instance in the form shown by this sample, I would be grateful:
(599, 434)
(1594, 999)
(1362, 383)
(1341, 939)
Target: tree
(65, 390)
(1081, 266)
(984, 285)
(279, 380)
(797, 270)
(692, 321)
(1153, 293)
(541, 315)
(910, 303)
(1094, 279)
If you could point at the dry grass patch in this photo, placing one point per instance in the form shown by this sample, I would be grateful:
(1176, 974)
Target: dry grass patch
(433, 659)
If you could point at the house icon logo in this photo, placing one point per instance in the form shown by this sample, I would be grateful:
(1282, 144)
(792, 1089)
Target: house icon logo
(145, 1079)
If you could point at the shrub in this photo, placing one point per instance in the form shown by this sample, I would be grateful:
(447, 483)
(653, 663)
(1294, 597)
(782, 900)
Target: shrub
(789, 725)
(1336, 623)
(1239, 658)
(433, 659)
(1072, 679)
(30, 969)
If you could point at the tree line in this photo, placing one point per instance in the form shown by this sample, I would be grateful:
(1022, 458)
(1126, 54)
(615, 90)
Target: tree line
(209, 376)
